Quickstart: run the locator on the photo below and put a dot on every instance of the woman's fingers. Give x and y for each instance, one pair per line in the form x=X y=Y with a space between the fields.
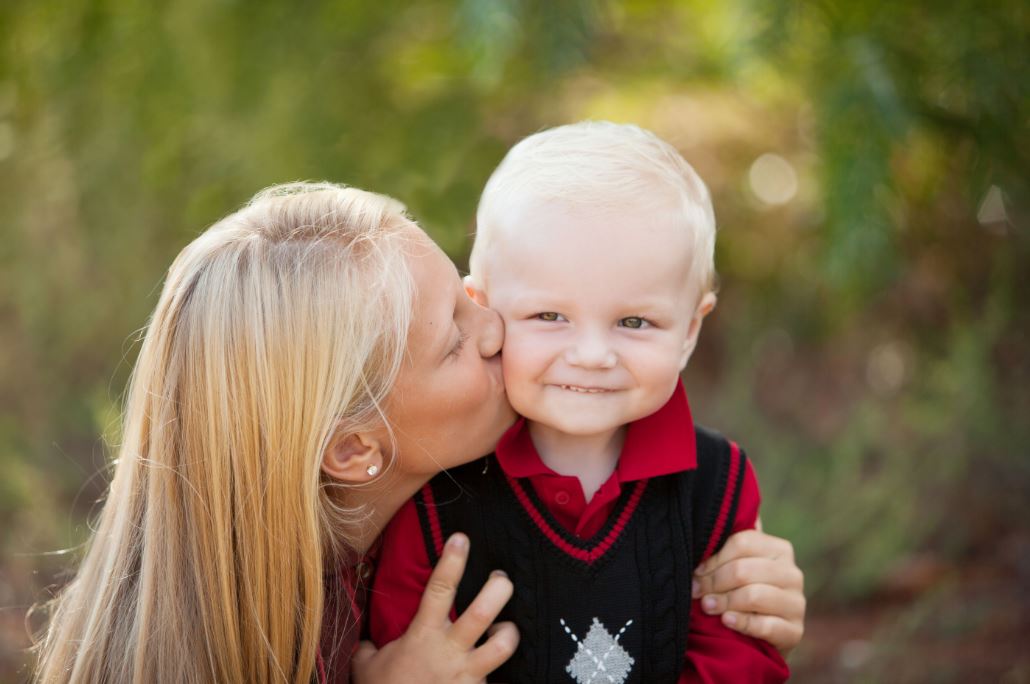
x=783 y=634
x=739 y=572
x=483 y=610
x=434 y=650
x=365 y=651
x=504 y=639
x=757 y=598
x=435 y=607
x=749 y=543
x=754 y=582
x=438 y=598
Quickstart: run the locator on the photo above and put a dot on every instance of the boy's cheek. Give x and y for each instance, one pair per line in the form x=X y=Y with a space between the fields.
x=518 y=369
x=523 y=367
x=522 y=350
x=520 y=391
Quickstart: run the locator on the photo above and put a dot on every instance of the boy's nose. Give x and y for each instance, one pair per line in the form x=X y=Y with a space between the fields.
x=491 y=333
x=591 y=350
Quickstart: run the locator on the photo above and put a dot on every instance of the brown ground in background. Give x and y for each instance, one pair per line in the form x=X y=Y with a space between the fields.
x=936 y=623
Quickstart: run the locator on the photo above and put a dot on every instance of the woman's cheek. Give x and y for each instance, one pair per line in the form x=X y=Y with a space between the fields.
x=475 y=385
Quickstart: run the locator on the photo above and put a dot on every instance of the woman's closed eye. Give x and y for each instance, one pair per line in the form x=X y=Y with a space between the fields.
x=459 y=345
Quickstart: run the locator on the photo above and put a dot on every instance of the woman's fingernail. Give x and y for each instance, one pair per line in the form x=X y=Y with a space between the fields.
x=498 y=573
x=695 y=589
x=708 y=603
x=729 y=619
x=458 y=541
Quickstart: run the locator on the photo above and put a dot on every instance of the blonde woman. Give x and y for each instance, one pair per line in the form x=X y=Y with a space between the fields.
x=312 y=361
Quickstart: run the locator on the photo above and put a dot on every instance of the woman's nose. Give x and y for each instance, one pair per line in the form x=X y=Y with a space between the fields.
x=491 y=334
x=592 y=350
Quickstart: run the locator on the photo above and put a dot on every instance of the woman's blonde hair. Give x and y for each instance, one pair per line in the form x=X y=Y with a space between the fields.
x=279 y=326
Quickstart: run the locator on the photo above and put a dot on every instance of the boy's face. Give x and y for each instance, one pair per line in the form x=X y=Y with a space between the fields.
x=600 y=313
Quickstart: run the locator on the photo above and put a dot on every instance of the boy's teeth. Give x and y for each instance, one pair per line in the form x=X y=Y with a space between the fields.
x=581 y=389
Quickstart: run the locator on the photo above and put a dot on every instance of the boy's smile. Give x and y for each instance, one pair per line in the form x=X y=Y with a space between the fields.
x=588 y=390
x=600 y=313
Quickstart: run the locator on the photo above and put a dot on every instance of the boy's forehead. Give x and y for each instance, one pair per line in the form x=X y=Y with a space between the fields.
x=641 y=231
x=579 y=253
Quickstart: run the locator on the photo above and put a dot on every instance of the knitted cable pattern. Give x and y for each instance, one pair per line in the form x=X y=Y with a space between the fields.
x=713 y=465
x=528 y=606
x=660 y=608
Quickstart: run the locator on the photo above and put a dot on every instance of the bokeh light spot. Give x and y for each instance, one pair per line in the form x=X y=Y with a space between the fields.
x=885 y=369
x=773 y=179
x=992 y=208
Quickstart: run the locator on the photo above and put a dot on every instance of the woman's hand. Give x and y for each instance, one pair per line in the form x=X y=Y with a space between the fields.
x=436 y=650
x=755 y=585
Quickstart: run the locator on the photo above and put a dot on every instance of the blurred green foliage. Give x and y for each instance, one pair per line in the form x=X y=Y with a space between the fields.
x=870 y=347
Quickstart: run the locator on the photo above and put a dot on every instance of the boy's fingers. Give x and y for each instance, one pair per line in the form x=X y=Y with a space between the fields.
x=749 y=543
x=504 y=639
x=740 y=572
x=482 y=612
x=435 y=607
x=782 y=634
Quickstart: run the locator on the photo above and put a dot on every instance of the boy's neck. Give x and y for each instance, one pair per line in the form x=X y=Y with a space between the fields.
x=590 y=458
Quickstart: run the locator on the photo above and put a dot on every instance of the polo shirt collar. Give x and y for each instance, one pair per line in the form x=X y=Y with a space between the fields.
x=659 y=444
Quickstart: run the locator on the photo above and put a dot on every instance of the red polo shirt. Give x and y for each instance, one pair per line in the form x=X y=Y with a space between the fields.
x=660 y=444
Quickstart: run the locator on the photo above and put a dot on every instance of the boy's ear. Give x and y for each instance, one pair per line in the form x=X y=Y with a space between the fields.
x=350 y=455
x=704 y=307
x=478 y=296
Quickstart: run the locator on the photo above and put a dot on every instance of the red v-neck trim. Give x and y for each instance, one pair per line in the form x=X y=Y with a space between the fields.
x=588 y=551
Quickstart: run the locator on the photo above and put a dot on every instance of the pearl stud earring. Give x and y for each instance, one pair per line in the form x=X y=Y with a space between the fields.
x=372 y=470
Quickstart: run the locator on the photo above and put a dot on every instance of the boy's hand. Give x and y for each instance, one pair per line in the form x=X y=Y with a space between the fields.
x=755 y=585
x=436 y=650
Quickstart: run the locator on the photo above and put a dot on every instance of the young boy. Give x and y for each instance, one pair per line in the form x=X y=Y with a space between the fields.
x=595 y=244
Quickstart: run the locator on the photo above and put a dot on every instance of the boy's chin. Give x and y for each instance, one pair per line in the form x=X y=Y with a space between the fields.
x=579 y=428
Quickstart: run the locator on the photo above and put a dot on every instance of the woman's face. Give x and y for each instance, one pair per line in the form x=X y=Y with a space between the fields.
x=448 y=405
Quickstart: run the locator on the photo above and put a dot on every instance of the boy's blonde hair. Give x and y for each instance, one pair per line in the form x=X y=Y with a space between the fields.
x=597 y=165
x=277 y=327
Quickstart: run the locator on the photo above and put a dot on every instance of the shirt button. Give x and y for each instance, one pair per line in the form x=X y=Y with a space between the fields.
x=561 y=498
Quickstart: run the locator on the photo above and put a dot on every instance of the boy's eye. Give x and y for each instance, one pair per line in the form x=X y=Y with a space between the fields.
x=549 y=316
x=632 y=322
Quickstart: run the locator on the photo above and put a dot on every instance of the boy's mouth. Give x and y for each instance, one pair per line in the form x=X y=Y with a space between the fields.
x=584 y=390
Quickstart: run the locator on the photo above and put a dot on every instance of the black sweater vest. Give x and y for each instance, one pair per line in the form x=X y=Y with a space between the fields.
x=611 y=609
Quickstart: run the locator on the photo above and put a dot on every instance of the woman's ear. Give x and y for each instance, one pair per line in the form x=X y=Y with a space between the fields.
x=704 y=307
x=353 y=457
x=477 y=295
